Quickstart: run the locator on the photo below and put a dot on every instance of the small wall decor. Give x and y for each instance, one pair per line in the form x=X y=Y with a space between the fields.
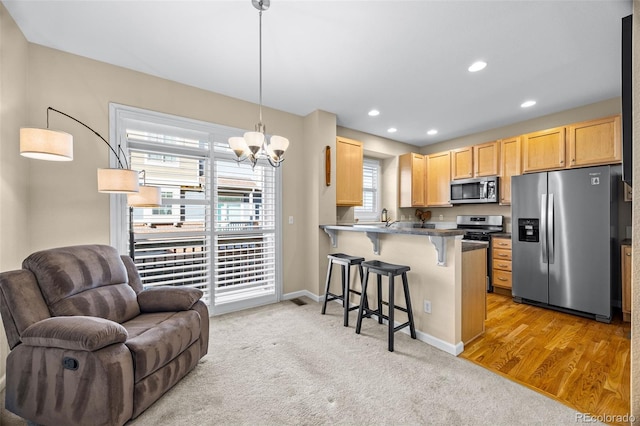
x=327 y=165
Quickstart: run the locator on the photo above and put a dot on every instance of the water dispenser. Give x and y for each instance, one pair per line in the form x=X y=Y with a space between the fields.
x=529 y=230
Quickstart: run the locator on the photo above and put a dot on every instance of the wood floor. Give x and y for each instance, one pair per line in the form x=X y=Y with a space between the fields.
x=577 y=361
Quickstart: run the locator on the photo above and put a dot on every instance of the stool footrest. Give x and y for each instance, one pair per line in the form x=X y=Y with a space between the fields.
x=401 y=326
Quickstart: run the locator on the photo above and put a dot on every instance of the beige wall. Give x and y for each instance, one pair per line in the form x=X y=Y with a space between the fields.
x=14 y=177
x=635 y=272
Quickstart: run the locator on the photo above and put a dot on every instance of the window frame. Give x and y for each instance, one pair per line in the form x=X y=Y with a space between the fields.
x=373 y=216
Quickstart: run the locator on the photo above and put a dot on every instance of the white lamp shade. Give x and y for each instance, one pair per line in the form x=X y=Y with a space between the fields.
x=118 y=181
x=254 y=140
x=149 y=196
x=45 y=144
x=238 y=145
x=279 y=143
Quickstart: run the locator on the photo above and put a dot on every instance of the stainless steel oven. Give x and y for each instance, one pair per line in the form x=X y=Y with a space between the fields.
x=479 y=228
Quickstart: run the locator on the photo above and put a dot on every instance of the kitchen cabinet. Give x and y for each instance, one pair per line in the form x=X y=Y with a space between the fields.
x=475 y=161
x=462 y=163
x=501 y=264
x=544 y=150
x=412 y=180
x=474 y=297
x=438 y=178
x=349 y=159
x=626 y=282
x=509 y=166
x=595 y=142
x=486 y=159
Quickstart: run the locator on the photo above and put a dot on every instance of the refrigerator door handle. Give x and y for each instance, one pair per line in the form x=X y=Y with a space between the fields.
x=550 y=221
x=543 y=228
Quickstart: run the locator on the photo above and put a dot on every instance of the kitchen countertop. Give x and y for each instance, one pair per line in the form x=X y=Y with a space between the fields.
x=474 y=245
x=626 y=242
x=430 y=232
x=501 y=235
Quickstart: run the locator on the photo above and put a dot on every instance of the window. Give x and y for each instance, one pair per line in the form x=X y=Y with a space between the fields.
x=216 y=229
x=370 y=209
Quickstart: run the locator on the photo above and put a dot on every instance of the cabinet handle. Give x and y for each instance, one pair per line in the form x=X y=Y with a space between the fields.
x=502 y=265
x=502 y=244
x=502 y=255
x=628 y=254
x=502 y=279
x=561 y=161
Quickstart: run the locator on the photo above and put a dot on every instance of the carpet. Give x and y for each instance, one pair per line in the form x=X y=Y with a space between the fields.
x=286 y=364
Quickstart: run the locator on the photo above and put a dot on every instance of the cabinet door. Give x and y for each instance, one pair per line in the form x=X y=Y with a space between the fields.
x=544 y=150
x=349 y=159
x=595 y=142
x=486 y=159
x=509 y=166
x=626 y=282
x=438 y=179
x=412 y=181
x=462 y=163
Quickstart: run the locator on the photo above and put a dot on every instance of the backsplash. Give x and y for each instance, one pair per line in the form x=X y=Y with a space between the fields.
x=446 y=216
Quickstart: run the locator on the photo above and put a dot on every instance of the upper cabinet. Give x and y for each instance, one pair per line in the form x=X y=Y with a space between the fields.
x=594 y=142
x=486 y=159
x=475 y=161
x=510 y=165
x=462 y=163
x=412 y=180
x=544 y=150
x=438 y=179
x=349 y=159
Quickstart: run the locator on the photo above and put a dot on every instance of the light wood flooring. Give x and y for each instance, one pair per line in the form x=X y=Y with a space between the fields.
x=577 y=361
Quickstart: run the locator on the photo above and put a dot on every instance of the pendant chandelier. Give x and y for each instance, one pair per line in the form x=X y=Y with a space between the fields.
x=255 y=145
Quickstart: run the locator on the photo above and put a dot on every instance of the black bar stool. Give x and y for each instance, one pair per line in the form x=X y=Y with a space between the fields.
x=345 y=261
x=391 y=271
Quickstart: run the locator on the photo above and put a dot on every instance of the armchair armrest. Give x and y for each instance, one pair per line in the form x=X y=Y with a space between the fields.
x=74 y=332
x=168 y=299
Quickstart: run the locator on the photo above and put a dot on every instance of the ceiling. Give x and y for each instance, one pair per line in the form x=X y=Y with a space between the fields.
x=407 y=59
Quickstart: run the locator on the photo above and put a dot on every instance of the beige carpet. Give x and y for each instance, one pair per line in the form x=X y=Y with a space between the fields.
x=287 y=364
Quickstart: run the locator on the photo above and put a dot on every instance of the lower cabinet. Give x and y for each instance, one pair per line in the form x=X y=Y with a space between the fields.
x=626 y=282
x=501 y=265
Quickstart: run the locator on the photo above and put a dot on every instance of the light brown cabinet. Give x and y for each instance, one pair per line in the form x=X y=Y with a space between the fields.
x=486 y=159
x=626 y=282
x=510 y=155
x=595 y=142
x=544 y=150
x=501 y=263
x=462 y=163
x=474 y=293
x=475 y=161
x=412 y=180
x=349 y=159
x=438 y=179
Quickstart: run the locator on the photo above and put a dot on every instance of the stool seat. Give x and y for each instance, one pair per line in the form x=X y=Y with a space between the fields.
x=385 y=268
x=391 y=271
x=345 y=261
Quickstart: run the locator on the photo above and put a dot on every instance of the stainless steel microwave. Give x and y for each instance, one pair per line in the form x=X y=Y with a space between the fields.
x=475 y=190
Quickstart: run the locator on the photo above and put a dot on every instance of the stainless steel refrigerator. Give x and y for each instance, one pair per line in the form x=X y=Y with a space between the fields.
x=564 y=230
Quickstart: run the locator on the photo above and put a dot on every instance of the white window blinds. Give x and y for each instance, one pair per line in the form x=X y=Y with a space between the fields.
x=370 y=209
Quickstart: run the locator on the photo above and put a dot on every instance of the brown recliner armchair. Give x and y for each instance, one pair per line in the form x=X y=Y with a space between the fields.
x=90 y=346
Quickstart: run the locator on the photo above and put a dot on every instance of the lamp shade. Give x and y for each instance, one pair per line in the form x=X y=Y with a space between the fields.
x=149 y=196
x=279 y=144
x=238 y=145
x=46 y=144
x=118 y=181
x=254 y=141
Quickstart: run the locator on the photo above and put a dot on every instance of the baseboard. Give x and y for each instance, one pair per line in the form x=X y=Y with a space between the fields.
x=302 y=293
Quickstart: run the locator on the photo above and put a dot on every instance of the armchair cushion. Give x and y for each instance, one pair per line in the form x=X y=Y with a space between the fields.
x=168 y=299
x=74 y=333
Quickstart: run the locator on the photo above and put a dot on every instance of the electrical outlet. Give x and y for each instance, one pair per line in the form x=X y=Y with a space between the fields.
x=427 y=306
x=441 y=217
x=290 y=220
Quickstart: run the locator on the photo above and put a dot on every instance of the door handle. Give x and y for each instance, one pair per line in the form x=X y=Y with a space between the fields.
x=550 y=221
x=543 y=228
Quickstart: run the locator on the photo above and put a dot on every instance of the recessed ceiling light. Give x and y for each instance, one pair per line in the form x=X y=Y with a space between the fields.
x=528 y=104
x=477 y=66
x=392 y=130
x=374 y=112
x=432 y=132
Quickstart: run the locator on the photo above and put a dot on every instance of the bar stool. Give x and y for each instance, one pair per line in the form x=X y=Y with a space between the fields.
x=391 y=271
x=345 y=261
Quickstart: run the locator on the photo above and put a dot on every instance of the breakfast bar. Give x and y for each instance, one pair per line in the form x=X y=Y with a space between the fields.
x=447 y=277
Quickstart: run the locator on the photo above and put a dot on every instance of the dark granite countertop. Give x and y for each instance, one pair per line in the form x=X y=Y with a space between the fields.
x=430 y=232
x=626 y=242
x=474 y=245
x=502 y=235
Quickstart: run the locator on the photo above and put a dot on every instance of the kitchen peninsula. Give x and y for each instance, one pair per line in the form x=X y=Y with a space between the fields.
x=445 y=271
